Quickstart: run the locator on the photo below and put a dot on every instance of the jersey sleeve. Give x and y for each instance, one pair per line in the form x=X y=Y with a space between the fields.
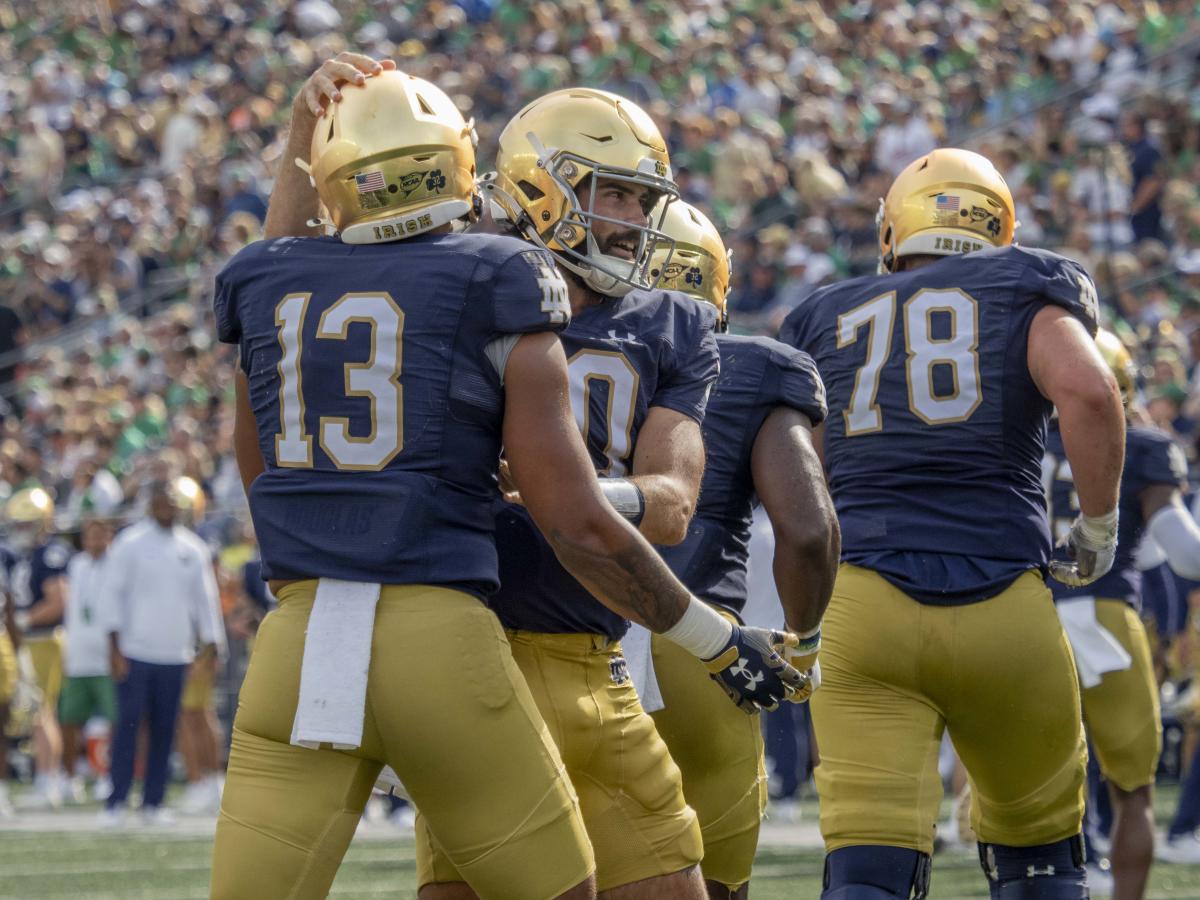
x=796 y=383
x=55 y=558
x=229 y=329
x=529 y=295
x=1054 y=279
x=795 y=329
x=697 y=361
x=1162 y=462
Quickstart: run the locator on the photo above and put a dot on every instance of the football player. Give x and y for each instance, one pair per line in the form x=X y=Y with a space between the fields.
x=37 y=582
x=941 y=376
x=582 y=173
x=10 y=641
x=758 y=448
x=379 y=372
x=1120 y=704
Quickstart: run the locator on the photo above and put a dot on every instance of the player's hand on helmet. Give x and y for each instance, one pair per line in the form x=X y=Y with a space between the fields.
x=1091 y=546
x=508 y=487
x=751 y=670
x=803 y=658
x=324 y=85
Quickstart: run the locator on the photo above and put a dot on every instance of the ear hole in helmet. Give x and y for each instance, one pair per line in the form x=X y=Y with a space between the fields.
x=329 y=137
x=924 y=164
x=531 y=190
x=887 y=235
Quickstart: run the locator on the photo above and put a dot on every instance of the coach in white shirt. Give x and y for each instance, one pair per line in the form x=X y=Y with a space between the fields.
x=88 y=689
x=160 y=603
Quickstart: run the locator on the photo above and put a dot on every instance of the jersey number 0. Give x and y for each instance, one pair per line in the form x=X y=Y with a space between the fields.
x=959 y=351
x=378 y=379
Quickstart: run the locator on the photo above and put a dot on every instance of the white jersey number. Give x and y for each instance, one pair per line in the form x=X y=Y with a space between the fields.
x=377 y=379
x=959 y=351
x=586 y=370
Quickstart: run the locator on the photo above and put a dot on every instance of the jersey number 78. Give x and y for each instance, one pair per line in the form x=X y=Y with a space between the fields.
x=958 y=351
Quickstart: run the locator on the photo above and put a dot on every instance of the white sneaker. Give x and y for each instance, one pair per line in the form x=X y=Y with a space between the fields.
x=111 y=818
x=1099 y=879
x=1183 y=850
x=157 y=816
x=6 y=807
x=74 y=790
x=102 y=788
x=404 y=818
x=785 y=811
x=46 y=794
x=197 y=799
x=216 y=785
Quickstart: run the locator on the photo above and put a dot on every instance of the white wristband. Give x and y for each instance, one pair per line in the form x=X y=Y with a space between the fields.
x=700 y=630
x=1099 y=529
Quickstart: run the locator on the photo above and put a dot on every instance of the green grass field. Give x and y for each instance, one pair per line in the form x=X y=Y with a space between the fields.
x=136 y=864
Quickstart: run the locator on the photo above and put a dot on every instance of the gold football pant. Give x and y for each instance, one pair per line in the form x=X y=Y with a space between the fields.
x=197 y=692
x=896 y=673
x=630 y=791
x=8 y=670
x=447 y=709
x=46 y=654
x=719 y=750
x=1122 y=712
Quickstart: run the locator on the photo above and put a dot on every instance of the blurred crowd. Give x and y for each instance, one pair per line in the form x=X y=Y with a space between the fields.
x=139 y=139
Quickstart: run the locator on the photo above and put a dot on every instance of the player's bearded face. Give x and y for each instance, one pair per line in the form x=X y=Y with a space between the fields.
x=624 y=203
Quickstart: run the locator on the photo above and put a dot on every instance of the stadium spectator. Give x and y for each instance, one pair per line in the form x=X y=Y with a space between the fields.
x=160 y=602
x=88 y=689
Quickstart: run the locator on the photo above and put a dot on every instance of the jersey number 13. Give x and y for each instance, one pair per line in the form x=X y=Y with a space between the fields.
x=378 y=379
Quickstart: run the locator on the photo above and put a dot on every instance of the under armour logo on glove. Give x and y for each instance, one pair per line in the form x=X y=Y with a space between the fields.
x=752 y=678
x=770 y=681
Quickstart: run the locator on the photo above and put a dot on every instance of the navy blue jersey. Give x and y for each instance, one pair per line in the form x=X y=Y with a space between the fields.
x=27 y=577
x=624 y=356
x=757 y=375
x=934 y=450
x=1151 y=458
x=378 y=411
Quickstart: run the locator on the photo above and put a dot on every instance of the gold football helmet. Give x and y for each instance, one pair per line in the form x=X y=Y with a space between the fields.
x=188 y=498
x=394 y=158
x=28 y=515
x=700 y=265
x=561 y=143
x=1120 y=362
x=947 y=202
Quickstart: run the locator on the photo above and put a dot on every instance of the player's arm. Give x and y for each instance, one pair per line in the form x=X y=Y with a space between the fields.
x=1173 y=528
x=293 y=200
x=10 y=624
x=668 y=464
x=49 y=610
x=558 y=484
x=1070 y=373
x=245 y=434
x=808 y=543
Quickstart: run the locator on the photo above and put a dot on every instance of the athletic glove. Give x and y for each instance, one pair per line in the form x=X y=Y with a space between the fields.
x=803 y=658
x=751 y=671
x=1091 y=545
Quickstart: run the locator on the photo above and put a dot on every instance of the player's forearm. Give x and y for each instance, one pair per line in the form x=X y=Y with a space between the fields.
x=621 y=570
x=1176 y=532
x=293 y=199
x=50 y=610
x=670 y=503
x=805 y=565
x=1093 y=432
